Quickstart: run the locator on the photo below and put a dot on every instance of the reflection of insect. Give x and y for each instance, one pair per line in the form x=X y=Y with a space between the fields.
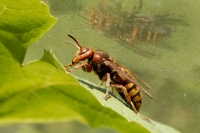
x=95 y=18
x=130 y=26
x=114 y=74
x=102 y=17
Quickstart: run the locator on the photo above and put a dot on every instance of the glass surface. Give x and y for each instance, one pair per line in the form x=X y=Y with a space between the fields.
x=168 y=62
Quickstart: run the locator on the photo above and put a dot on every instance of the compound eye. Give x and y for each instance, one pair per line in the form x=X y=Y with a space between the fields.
x=83 y=51
x=82 y=54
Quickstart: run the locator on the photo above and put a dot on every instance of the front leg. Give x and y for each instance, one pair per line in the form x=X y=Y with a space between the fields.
x=80 y=65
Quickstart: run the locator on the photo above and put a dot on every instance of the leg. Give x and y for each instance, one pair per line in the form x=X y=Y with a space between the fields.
x=133 y=9
x=107 y=85
x=81 y=64
x=128 y=99
x=100 y=83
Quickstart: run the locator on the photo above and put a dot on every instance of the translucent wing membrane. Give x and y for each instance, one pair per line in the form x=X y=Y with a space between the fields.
x=129 y=77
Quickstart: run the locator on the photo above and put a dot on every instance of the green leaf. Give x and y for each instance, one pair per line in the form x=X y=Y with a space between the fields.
x=43 y=92
x=22 y=22
x=39 y=94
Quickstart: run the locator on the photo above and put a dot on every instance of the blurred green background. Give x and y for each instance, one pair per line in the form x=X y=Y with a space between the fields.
x=61 y=127
x=171 y=67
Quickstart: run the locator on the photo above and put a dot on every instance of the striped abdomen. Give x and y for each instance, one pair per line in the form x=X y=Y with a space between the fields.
x=132 y=89
x=134 y=93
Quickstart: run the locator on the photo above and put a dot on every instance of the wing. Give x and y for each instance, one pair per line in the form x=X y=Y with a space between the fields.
x=129 y=77
x=135 y=76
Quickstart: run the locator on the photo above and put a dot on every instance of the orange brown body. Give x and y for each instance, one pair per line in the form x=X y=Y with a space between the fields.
x=112 y=73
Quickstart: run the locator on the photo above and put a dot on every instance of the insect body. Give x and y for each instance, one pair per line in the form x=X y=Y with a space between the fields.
x=114 y=74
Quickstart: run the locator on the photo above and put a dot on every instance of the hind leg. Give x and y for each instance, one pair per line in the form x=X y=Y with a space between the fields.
x=128 y=99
